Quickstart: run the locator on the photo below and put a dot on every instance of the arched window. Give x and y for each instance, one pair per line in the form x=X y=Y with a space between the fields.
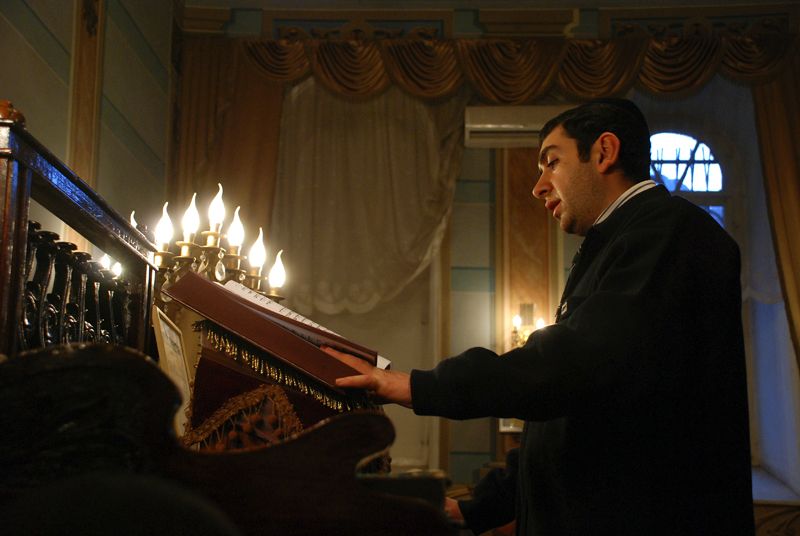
x=687 y=167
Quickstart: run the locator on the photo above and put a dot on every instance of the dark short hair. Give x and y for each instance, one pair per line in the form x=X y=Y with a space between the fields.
x=621 y=117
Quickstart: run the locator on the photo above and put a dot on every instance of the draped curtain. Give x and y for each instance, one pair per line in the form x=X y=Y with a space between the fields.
x=778 y=123
x=522 y=71
x=364 y=191
x=228 y=122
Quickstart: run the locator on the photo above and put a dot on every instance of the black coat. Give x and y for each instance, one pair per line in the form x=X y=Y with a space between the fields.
x=635 y=399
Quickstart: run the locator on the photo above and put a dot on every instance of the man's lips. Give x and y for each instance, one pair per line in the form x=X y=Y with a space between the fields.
x=551 y=205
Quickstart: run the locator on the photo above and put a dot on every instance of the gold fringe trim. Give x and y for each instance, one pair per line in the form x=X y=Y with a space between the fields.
x=245 y=354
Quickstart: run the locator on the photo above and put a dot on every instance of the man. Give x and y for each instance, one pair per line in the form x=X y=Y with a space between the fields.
x=635 y=399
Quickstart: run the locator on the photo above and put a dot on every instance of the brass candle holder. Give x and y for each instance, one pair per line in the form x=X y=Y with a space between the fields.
x=190 y=252
x=164 y=262
x=211 y=265
x=233 y=264
x=211 y=254
x=212 y=236
x=253 y=279
x=274 y=296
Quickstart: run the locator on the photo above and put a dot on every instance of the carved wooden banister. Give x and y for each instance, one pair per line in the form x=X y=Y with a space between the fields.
x=49 y=293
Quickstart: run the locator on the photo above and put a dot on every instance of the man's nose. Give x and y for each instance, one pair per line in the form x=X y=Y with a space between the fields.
x=541 y=188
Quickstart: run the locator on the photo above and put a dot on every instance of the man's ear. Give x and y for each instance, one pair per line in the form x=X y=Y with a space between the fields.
x=608 y=146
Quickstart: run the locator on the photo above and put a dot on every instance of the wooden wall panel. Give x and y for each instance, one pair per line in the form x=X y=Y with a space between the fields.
x=523 y=242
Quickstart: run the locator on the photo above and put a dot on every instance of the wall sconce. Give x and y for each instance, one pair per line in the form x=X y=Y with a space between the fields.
x=525 y=323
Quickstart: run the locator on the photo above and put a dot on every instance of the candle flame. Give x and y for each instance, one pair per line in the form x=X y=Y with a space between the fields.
x=105 y=262
x=133 y=220
x=516 y=321
x=236 y=230
x=191 y=220
x=540 y=323
x=164 y=229
x=216 y=210
x=258 y=254
x=277 y=274
x=116 y=269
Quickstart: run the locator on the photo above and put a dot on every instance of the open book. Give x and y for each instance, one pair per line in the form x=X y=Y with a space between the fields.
x=291 y=340
x=309 y=330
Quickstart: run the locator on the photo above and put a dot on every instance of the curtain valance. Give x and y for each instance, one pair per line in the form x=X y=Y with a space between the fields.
x=522 y=71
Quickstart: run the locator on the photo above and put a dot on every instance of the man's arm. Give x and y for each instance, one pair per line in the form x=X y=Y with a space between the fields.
x=384 y=385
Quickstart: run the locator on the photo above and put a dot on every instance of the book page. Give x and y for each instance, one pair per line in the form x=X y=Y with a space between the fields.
x=271 y=305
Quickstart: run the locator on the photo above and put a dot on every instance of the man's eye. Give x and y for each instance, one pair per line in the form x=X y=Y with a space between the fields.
x=552 y=163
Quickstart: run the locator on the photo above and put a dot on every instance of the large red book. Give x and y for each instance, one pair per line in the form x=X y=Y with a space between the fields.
x=292 y=342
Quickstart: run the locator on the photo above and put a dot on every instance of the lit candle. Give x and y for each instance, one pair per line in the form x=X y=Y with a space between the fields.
x=277 y=274
x=516 y=321
x=105 y=262
x=133 y=220
x=116 y=269
x=164 y=229
x=190 y=221
x=258 y=254
x=539 y=323
x=216 y=215
x=235 y=234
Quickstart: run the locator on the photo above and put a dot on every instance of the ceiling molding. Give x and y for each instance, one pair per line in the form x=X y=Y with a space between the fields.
x=527 y=23
x=205 y=20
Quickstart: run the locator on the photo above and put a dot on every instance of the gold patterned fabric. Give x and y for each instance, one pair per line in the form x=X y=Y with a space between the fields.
x=257 y=418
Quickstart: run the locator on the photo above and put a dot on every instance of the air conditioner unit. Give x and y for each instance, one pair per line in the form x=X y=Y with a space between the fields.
x=507 y=126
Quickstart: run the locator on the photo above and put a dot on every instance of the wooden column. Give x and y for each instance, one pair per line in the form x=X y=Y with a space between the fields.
x=86 y=81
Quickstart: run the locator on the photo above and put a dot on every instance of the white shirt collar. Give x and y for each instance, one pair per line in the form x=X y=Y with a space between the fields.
x=634 y=190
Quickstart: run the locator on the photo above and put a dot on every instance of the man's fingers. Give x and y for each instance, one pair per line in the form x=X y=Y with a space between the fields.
x=349 y=360
x=356 y=382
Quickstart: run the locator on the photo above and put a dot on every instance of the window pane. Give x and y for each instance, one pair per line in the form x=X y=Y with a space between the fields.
x=714 y=178
x=699 y=173
x=683 y=163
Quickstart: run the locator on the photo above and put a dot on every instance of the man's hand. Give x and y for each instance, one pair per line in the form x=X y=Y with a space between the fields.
x=453 y=511
x=385 y=385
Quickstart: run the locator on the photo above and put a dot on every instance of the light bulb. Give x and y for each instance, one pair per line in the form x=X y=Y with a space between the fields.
x=277 y=274
x=191 y=220
x=216 y=211
x=105 y=262
x=164 y=229
x=236 y=231
x=258 y=254
x=116 y=269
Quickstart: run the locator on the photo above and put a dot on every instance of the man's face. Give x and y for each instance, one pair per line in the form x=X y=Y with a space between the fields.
x=571 y=189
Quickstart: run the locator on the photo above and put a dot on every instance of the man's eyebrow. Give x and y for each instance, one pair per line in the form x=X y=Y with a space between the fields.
x=544 y=151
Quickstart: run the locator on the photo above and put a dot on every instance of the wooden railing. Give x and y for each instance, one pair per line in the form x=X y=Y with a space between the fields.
x=50 y=293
